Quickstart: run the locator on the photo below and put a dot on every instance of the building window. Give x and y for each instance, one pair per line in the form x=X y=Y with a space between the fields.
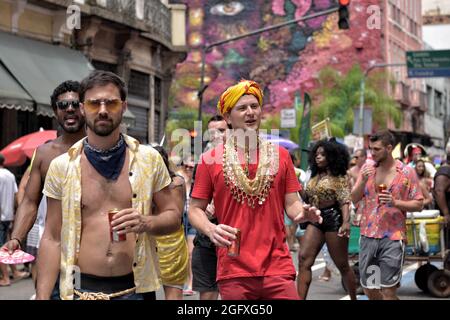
x=398 y=17
x=138 y=104
x=158 y=93
x=140 y=128
x=139 y=84
x=156 y=123
x=105 y=66
x=439 y=110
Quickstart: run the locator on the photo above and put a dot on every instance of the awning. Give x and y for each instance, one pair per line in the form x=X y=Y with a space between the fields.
x=40 y=67
x=12 y=95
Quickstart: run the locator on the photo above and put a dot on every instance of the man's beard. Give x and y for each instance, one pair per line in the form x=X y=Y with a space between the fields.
x=104 y=130
x=383 y=158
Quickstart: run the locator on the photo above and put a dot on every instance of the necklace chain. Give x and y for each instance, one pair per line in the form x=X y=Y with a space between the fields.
x=114 y=148
x=256 y=190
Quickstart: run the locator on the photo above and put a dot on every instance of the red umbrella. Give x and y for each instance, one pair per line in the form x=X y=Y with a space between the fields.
x=16 y=152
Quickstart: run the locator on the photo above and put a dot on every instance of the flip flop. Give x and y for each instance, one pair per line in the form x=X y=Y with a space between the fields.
x=23 y=275
x=324 y=278
x=17 y=257
x=5 y=285
x=188 y=292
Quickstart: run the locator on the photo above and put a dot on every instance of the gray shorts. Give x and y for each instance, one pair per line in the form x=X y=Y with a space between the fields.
x=380 y=262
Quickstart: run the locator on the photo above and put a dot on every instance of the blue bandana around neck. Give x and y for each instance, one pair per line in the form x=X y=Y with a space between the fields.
x=108 y=163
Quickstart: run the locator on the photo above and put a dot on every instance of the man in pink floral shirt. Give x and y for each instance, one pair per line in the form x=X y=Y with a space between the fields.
x=383 y=222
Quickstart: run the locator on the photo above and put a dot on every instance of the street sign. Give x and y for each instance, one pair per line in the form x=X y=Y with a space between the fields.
x=288 y=118
x=367 y=121
x=425 y=64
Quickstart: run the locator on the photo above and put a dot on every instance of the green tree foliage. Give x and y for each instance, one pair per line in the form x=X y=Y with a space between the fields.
x=337 y=95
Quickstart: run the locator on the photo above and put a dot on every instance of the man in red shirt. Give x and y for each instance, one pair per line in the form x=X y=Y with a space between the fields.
x=252 y=182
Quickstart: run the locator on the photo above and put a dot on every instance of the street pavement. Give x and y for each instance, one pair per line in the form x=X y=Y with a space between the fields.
x=319 y=290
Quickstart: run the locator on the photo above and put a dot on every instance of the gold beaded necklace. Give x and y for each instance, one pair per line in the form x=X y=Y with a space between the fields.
x=255 y=190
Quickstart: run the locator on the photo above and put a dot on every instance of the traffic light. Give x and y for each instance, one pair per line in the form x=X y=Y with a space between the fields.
x=344 y=19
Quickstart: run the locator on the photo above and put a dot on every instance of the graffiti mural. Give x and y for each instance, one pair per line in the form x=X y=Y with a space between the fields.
x=284 y=61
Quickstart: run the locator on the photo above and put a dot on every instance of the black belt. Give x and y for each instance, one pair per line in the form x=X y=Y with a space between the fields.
x=106 y=284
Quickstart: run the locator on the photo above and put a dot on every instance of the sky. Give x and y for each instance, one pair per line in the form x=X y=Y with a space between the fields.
x=437 y=36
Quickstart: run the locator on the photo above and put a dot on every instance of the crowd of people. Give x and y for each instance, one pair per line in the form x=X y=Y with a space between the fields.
x=124 y=220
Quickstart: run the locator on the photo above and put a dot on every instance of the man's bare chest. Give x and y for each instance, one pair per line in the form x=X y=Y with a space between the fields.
x=385 y=176
x=97 y=191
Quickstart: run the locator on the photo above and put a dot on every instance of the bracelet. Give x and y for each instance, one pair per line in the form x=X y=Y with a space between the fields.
x=20 y=243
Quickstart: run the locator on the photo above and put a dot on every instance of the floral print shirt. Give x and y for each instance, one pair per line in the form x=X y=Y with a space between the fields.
x=381 y=221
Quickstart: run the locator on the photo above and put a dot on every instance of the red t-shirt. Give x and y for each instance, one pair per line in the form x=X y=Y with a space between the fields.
x=263 y=250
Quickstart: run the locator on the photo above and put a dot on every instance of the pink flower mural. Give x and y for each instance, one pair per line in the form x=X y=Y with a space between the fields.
x=284 y=61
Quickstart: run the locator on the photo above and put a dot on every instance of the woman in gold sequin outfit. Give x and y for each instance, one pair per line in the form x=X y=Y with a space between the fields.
x=172 y=248
x=329 y=190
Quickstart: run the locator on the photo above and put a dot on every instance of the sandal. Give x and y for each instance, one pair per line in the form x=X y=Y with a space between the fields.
x=324 y=278
x=21 y=275
x=5 y=284
x=188 y=292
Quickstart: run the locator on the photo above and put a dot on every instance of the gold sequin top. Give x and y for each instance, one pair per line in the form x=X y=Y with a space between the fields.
x=327 y=188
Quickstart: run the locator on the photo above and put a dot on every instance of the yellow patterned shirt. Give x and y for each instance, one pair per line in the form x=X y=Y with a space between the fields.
x=63 y=182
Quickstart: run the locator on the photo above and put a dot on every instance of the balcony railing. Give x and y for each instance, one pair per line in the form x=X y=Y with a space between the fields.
x=418 y=100
x=151 y=15
x=405 y=94
x=401 y=93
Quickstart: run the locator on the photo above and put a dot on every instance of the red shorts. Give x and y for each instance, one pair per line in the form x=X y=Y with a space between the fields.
x=259 y=288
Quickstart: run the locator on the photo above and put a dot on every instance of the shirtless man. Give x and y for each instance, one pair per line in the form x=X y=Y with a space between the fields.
x=104 y=171
x=65 y=104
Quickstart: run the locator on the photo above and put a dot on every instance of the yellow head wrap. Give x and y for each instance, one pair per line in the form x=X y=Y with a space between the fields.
x=230 y=97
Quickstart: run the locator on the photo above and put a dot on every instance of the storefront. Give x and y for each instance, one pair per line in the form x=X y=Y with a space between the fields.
x=29 y=71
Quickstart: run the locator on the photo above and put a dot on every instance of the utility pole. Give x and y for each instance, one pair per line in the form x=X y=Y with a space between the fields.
x=363 y=87
x=207 y=48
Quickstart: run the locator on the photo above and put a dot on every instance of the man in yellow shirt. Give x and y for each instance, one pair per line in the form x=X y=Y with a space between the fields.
x=107 y=170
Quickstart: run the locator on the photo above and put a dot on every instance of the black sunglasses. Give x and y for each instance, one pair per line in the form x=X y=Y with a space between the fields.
x=63 y=105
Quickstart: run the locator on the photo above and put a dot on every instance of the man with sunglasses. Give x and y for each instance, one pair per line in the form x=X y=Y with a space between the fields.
x=106 y=172
x=66 y=106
